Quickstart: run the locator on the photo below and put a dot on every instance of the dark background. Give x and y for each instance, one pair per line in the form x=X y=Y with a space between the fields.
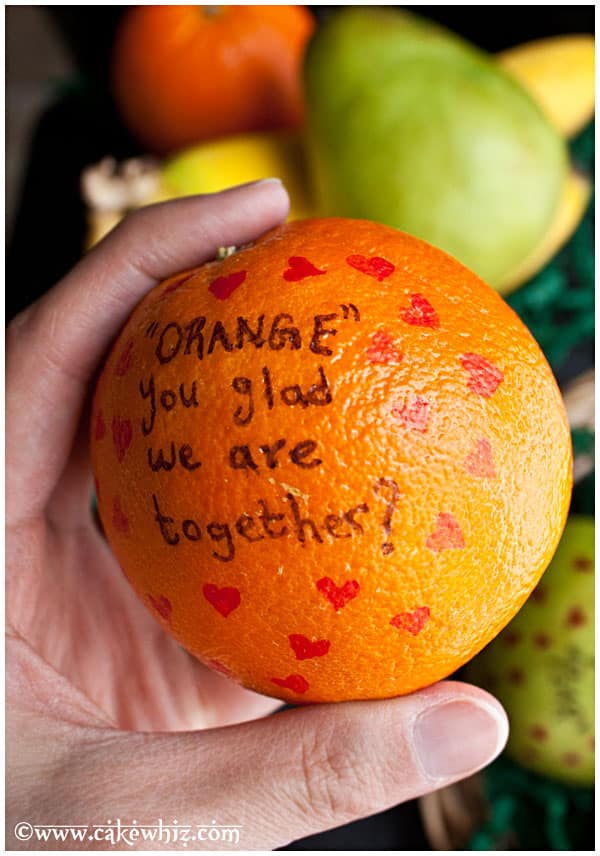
x=81 y=126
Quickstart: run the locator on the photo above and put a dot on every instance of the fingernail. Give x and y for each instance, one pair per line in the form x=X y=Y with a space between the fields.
x=272 y=180
x=258 y=182
x=459 y=737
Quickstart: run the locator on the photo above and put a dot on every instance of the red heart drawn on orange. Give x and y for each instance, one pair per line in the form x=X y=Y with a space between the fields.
x=223 y=286
x=413 y=621
x=414 y=413
x=382 y=349
x=162 y=605
x=338 y=596
x=420 y=313
x=224 y=600
x=374 y=266
x=119 y=519
x=295 y=683
x=484 y=377
x=479 y=462
x=447 y=535
x=122 y=432
x=300 y=268
x=304 y=648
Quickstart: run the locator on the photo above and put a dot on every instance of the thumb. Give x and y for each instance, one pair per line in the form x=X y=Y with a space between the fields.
x=306 y=770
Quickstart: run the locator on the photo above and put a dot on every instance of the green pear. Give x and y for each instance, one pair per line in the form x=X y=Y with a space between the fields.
x=541 y=667
x=411 y=126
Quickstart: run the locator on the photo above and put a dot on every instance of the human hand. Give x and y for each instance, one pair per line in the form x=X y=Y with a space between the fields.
x=107 y=717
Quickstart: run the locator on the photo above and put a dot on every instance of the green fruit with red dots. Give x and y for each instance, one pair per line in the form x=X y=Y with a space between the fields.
x=542 y=666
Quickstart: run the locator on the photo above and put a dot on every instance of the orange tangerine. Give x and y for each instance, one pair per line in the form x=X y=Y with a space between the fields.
x=183 y=74
x=334 y=464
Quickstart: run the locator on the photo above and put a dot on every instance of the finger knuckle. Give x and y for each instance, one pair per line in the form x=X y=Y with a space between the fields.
x=17 y=328
x=338 y=783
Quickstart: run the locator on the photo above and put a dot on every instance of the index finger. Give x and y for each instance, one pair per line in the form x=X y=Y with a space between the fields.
x=54 y=347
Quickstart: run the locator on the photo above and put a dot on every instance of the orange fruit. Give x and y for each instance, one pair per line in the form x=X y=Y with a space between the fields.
x=183 y=74
x=334 y=464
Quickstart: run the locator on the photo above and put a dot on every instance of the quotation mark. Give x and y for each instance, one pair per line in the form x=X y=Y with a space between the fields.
x=348 y=308
x=151 y=329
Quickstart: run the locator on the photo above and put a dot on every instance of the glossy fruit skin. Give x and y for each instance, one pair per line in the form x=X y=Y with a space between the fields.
x=419 y=130
x=440 y=402
x=183 y=74
x=541 y=666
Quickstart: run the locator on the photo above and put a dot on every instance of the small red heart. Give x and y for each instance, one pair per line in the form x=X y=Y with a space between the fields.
x=224 y=600
x=300 y=268
x=223 y=286
x=413 y=413
x=304 y=649
x=119 y=519
x=162 y=605
x=100 y=431
x=375 y=266
x=295 y=683
x=125 y=360
x=338 y=596
x=447 y=535
x=122 y=432
x=479 y=462
x=420 y=313
x=484 y=377
x=383 y=350
x=176 y=284
x=413 y=621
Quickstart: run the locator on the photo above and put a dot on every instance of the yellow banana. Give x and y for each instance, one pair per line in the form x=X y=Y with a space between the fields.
x=559 y=74
x=570 y=210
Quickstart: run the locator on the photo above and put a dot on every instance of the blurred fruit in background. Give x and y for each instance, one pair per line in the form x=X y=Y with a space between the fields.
x=420 y=130
x=110 y=189
x=541 y=666
x=224 y=163
x=559 y=74
x=409 y=125
x=574 y=199
x=188 y=73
